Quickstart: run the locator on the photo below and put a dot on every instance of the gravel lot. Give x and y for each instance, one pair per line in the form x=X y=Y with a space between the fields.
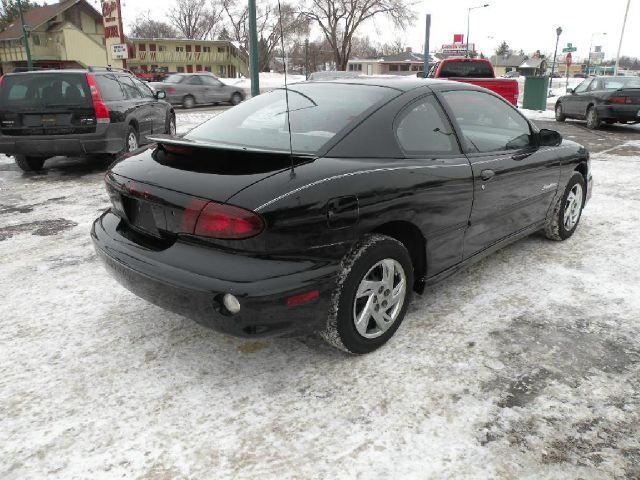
x=526 y=365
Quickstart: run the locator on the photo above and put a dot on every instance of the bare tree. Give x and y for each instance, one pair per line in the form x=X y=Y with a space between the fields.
x=193 y=19
x=340 y=19
x=146 y=27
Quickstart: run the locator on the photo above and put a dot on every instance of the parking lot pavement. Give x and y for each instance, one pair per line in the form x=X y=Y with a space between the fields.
x=526 y=365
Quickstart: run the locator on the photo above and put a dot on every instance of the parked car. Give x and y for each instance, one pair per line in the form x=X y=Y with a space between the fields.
x=602 y=100
x=476 y=71
x=77 y=112
x=191 y=89
x=579 y=75
x=512 y=74
x=382 y=187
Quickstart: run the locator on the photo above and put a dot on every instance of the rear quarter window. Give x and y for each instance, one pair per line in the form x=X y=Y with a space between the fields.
x=110 y=89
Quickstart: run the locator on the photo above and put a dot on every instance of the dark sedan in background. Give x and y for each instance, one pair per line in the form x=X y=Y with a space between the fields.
x=602 y=100
x=325 y=213
x=191 y=89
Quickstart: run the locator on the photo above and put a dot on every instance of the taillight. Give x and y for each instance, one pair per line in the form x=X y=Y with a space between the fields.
x=620 y=100
x=102 y=112
x=216 y=220
x=170 y=89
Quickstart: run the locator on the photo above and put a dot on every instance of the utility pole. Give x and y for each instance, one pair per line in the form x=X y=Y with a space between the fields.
x=306 y=59
x=253 y=50
x=624 y=24
x=24 y=35
x=469 y=23
x=426 y=46
x=555 y=55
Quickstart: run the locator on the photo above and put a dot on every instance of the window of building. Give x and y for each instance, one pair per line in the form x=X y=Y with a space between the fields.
x=393 y=68
x=424 y=129
x=206 y=49
x=142 y=47
x=35 y=38
x=180 y=69
x=221 y=49
x=207 y=68
x=355 y=67
x=416 y=68
x=162 y=48
x=152 y=47
x=404 y=67
x=198 y=68
x=179 y=48
x=188 y=49
x=488 y=124
x=198 y=48
x=221 y=71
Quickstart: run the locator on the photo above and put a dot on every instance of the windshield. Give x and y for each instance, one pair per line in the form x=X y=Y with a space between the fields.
x=175 y=78
x=318 y=112
x=614 y=83
x=466 y=68
x=38 y=90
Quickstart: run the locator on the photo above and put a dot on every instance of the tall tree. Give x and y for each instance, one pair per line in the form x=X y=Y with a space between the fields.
x=194 y=20
x=146 y=27
x=339 y=20
x=9 y=11
x=503 y=49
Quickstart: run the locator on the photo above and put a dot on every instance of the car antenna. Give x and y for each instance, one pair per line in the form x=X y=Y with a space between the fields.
x=286 y=90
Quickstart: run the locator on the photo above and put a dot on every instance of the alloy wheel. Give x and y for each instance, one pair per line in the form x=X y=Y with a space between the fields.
x=379 y=298
x=132 y=142
x=573 y=207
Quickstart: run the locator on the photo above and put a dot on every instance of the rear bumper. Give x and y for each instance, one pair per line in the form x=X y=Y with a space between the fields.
x=108 y=138
x=628 y=113
x=191 y=279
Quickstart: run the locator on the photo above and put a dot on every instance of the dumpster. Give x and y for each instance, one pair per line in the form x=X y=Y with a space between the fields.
x=535 y=93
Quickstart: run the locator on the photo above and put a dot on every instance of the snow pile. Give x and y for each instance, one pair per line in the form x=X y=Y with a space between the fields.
x=268 y=81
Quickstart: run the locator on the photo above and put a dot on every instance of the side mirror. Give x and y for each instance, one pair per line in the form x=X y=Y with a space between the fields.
x=160 y=94
x=549 y=138
x=570 y=91
x=420 y=75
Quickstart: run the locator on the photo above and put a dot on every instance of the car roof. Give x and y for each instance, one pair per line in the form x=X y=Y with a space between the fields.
x=402 y=83
x=67 y=71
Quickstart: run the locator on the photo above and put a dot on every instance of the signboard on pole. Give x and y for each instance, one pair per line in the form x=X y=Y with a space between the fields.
x=458 y=48
x=119 y=51
x=569 y=48
x=113 y=34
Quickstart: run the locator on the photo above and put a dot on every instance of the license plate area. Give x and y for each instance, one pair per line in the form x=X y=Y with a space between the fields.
x=140 y=215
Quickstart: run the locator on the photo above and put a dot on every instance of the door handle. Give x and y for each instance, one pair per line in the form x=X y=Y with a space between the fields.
x=487 y=175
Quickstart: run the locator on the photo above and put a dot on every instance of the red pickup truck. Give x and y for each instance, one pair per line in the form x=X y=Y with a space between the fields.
x=477 y=72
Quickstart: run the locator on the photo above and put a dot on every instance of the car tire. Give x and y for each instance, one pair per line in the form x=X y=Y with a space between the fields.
x=560 y=116
x=593 y=119
x=171 y=124
x=188 y=102
x=236 y=98
x=29 y=164
x=564 y=220
x=365 y=293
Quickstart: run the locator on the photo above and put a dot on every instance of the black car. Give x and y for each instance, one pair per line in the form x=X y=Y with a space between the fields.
x=602 y=99
x=392 y=185
x=77 y=112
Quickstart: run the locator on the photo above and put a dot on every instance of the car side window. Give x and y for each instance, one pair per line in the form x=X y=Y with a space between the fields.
x=144 y=89
x=488 y=124
x=195 y=80
x=583 y=86
x=423 y=128
x=109 y=87
x=212 y=82
x=129 y=87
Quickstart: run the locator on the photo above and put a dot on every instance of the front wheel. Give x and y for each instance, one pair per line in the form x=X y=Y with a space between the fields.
x=593 y=119
x=236 y=98
x=29 y=164
x=567 y=211
x=560 y=116
x=371 y=297
x=171 y=124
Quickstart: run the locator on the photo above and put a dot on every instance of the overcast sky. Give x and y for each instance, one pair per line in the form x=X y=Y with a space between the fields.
x=528 y=25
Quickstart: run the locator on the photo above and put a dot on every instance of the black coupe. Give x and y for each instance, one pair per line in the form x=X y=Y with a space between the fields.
x=602 y=100
x=325 y=206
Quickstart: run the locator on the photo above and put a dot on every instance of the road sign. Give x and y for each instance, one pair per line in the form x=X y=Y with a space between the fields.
x=569 y=49
x=569 y=59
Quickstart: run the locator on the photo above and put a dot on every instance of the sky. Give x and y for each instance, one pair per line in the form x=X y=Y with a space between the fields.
x=527 y=25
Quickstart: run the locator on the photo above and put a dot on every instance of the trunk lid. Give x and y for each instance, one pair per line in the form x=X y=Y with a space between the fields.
x=52 y=103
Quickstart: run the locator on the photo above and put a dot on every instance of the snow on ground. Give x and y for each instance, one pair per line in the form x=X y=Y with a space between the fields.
x=268 y=81
x=525 y=365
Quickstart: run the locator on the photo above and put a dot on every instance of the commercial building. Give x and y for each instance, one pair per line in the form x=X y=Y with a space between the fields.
x=62 y=35
x=406 y=63
x=220 y=57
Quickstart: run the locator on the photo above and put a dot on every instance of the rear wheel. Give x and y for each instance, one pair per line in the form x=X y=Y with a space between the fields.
x=188 y=102
x=29 y=164
x=371 y=297
x=131 y=142
x=236 y=98
x=560 y=116
x=593 y=119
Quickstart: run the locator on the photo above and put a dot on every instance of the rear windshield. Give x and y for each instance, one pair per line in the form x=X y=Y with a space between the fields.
x=41 y=90
x=466 y=69
x=318 y=111
x=616 y=83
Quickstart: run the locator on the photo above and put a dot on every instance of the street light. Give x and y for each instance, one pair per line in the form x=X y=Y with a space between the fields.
x=468 y=20
x=590 y=46
x=555 y=55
